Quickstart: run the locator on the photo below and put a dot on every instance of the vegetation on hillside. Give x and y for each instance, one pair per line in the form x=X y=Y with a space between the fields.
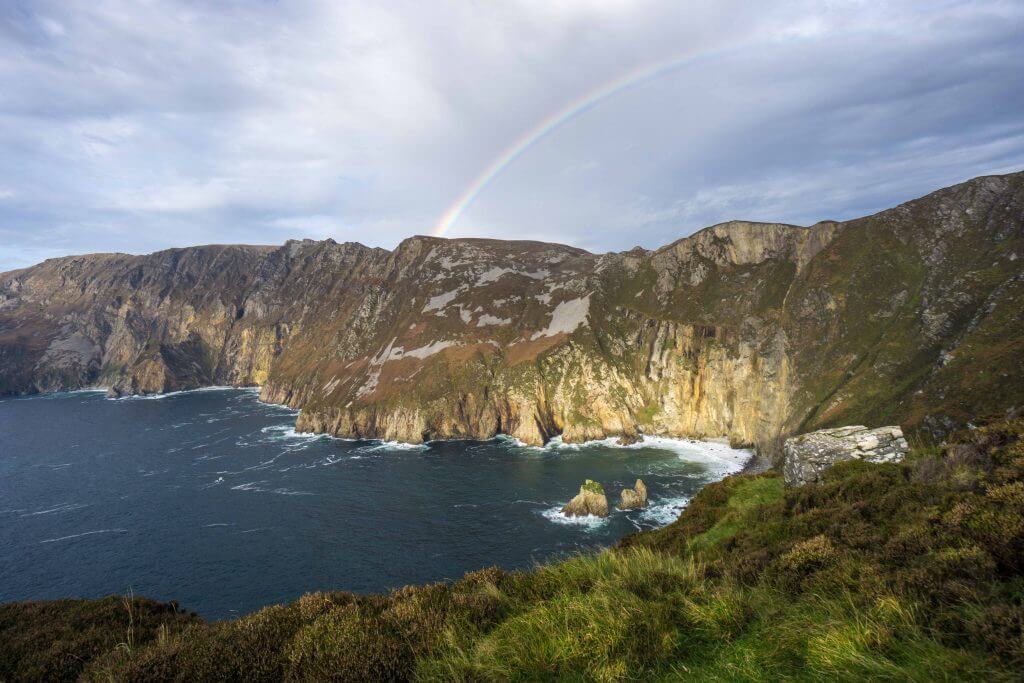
x=892 y=572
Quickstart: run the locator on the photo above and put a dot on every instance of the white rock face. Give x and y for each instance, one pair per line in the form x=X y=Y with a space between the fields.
x=807 y=456
x=438 y=302
x=566 y=317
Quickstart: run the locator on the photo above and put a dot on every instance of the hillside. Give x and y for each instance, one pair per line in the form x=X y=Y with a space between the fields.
x=907 y=571
x=747 y=331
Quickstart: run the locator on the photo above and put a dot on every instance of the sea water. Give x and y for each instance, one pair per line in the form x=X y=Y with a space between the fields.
x=211 y=498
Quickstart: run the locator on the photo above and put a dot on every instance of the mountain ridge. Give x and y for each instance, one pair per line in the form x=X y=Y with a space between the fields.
x=750 y=331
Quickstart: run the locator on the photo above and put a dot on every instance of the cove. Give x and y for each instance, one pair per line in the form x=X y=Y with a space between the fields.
x=212 y=499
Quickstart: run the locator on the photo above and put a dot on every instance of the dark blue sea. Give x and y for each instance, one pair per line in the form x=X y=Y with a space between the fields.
x=210 y=498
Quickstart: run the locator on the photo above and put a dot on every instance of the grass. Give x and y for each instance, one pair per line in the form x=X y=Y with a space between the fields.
x=909 y=572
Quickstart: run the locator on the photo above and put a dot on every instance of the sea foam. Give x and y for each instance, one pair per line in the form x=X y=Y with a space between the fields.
x=554 y=514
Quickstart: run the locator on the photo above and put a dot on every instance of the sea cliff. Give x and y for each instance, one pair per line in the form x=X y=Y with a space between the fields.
x=748 y=331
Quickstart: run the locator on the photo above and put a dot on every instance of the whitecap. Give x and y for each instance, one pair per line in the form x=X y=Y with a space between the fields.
x=395 y=446
x=664 y=511
x=63 y=507
x=288 y=433
x=720 y=457
x=511 y=441
x=86 y=533
x=154 y=397
x=590 y=522
x=259 y=487
x=249 y=486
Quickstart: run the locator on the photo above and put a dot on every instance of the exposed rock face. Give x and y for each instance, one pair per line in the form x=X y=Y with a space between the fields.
x=747 y=331
x=591 y=500
x=808 y=455
x=634 y=498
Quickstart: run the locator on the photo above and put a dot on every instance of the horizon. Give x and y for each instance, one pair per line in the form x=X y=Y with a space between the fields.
x=605 y=125
x=477 y=237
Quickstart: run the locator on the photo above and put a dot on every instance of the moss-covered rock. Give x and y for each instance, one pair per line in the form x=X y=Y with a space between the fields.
x=591 y=500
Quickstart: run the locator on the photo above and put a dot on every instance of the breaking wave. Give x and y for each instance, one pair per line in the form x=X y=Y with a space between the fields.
x=554 y=514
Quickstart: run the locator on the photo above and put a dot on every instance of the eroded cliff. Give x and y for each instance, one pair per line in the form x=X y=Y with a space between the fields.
x=744 y=330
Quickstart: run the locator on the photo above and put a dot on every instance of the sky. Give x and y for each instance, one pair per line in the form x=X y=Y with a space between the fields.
x=137 y=125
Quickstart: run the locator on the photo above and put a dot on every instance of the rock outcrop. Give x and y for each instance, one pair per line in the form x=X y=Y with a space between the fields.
x=591 y=500
x=807 y=456
x=747 y=331
x=634 y=498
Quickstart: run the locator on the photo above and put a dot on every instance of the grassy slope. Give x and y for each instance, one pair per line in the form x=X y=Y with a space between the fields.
x=899 y=572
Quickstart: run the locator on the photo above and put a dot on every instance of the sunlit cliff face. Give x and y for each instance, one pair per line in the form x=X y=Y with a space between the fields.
x=745 y=331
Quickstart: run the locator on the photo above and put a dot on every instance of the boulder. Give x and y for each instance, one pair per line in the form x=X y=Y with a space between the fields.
x=634 y=498
x=591 y=500
x=807 y=456
x=629 y=439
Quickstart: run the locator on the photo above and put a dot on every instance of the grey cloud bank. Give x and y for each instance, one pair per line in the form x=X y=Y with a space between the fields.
x=130 y=126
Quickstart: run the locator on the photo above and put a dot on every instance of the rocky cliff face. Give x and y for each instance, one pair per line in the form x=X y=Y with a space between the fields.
x=806 y=457
x=745 y=330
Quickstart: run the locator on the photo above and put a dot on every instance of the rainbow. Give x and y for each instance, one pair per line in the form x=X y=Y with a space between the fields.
x=561 y=117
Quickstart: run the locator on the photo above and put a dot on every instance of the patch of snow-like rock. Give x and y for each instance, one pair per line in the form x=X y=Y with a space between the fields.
x=429 y=349
x=488 y=319
x=566 y=317
x=438 y=302
x=492 y=275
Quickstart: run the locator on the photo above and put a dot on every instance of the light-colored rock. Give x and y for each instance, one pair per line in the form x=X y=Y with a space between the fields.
x=634 y=498
x=807 y=456
x=591 y=500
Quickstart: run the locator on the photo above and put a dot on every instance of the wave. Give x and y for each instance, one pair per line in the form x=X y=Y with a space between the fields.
x=394 y=446
x=282 y=432
x=665 y=511
x=85 y=533
x=63 y=507
x=155 y=397
x=258 y=486
x=720 y=456
x=589 y=522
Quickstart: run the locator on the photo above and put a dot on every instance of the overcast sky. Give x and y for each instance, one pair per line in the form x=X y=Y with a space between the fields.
x=135 y=126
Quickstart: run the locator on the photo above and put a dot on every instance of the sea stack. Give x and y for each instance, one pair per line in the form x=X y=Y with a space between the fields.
x=591 y=500
x=634 y=498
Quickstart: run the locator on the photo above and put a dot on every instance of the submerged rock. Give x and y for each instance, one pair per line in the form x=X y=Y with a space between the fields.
x=591 y=500
x=634 y=498
x=807 y=456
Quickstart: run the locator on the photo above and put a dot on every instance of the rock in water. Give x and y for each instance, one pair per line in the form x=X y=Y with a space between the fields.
x=590 y=501
x=634 y=498
x=807 y=456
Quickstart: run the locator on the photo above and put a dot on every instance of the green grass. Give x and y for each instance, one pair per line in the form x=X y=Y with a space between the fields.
x=911 y=572
x=742 y=507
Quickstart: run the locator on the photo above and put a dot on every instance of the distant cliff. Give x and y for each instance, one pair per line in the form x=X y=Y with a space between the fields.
x=745 y=330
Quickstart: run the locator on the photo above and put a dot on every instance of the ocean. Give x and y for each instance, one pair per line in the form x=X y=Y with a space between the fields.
x=211 y=498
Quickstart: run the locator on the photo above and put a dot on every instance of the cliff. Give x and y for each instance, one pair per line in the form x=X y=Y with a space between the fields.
x=744 y=330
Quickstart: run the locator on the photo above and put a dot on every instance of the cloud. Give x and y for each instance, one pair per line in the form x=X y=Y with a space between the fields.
x=137 y=126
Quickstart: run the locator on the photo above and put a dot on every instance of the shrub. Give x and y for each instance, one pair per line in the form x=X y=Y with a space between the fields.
x=346 y=644
x=55 y=640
